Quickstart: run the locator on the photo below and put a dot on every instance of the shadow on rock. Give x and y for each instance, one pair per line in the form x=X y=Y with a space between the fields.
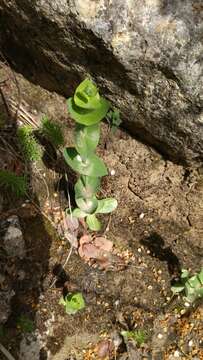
x=156 y=245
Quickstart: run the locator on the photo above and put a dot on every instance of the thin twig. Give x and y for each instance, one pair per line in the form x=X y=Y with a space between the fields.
x=6 y=352
x=69 y=203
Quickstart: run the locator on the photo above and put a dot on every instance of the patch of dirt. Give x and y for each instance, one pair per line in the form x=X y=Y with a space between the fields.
x=157 y=227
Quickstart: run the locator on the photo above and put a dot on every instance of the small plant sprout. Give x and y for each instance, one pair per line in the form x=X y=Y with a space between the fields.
x=28 y=144
x=88 y=108
x=139 y=336
x=113 y=117
x=52 y=131
x=190 y=287
x=14 y=183
x=72 y=303
x=25 y=324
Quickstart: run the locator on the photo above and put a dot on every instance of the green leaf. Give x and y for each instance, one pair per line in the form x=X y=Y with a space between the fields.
x=92 y=166
x=86 y=95
x=200 y=276
x=86 y=138
x=106 y=206
x=79 y=213
x=184 y=274
x=93 y=223
x=85 y=116
x=194 y=282
x=140 y=336
x=86 y=186
x=200 y=292
x=73 y=303
x=89 y=206
x=177 y=288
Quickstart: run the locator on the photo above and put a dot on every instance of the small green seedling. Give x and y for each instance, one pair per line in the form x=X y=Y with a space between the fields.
x=52 y=131
x=139 y=336
x=190 y=287
x=113 y=117
x=14 y=183
x=25 y=324
x=29 y=146
x=72 y=303
x=88 y=108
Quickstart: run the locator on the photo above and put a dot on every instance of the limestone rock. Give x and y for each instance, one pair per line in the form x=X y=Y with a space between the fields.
x=5 y=306
x=146 y=55
x=13 y=240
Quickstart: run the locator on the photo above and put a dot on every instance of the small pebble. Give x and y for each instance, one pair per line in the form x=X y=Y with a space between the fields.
x=160 y=336
x=150 y=287
x=190 y=343
x=112 y=172
x=176 y=354
x=141 y=216
x=139 y=250
x=186 y=304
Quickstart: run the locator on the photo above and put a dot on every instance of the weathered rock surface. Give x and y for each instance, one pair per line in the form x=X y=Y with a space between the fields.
x=5 y=307
x=13 y=240
x=145 y=55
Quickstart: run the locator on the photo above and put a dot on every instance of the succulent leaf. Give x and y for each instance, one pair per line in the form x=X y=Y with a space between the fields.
x=89 y=206
x=86 y=138
x=88 y=116
x=93 y=223
x=86 y=186
x=106 y=206
x=92 y=166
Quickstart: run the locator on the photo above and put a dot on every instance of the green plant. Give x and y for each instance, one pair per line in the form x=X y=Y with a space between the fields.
x=139 y=336
x=29 y=146
x=88 y=108
x=72 y=303
x=52 y=131
x=113 y=117
x=191 y=287
x=25 y=324
x=12 y=182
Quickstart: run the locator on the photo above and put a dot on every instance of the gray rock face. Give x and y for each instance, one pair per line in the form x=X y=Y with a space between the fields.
x=146 y=55
x=5 y=307
x=13 y=240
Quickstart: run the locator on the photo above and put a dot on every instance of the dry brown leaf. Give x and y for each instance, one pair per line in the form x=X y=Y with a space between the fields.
x=104 y=349
x=103 y=244
x=89 y=251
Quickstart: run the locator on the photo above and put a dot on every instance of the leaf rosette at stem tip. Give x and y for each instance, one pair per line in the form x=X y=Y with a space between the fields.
x=87 y=107
x=89 y=208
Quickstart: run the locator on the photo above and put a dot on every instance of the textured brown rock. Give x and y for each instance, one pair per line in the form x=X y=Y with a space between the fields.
x=145 y=55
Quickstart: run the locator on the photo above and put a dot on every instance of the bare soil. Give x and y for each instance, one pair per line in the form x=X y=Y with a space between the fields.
x=157 y=228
